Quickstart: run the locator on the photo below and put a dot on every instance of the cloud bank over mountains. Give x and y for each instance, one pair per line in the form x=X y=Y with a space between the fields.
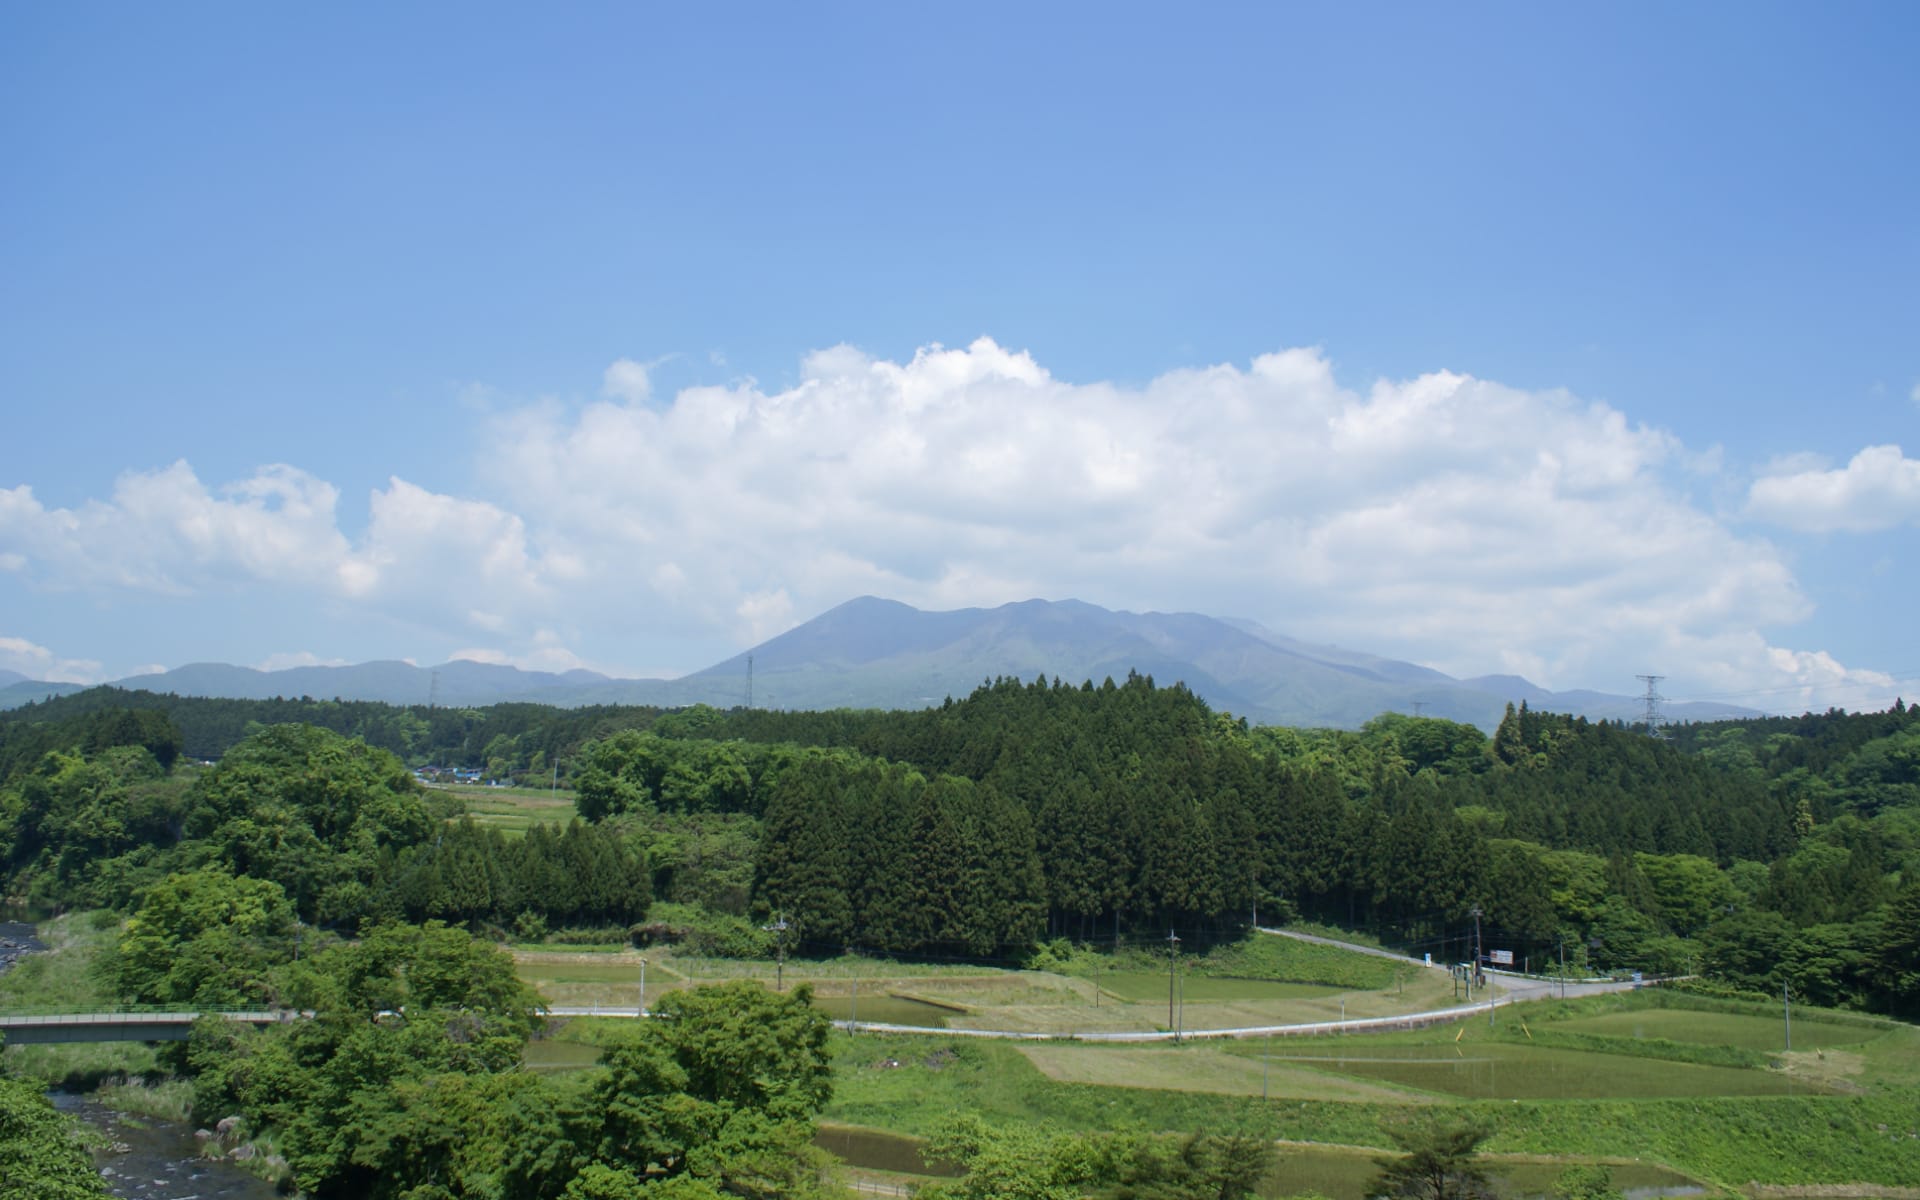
x=1443 y=519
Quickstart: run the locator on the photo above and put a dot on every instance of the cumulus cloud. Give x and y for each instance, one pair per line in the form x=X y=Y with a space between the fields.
x=42 y=665
x=547 y=652
x=287 y=660
x=166 y=532
x=1878 y=489
x=1447 y=519
x=422 y=547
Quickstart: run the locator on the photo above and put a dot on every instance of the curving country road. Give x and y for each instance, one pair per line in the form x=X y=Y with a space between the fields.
x=1511 y=989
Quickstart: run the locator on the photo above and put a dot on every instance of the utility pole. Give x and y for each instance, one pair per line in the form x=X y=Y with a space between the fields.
x=1786 y=1011
x=1563 y=967
x=1475 y=914
x=749 y=681
x=779 y=931
x=1173 y=961
x=643 y=985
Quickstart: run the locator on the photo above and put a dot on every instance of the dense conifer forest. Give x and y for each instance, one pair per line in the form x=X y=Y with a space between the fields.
x=1756 y=853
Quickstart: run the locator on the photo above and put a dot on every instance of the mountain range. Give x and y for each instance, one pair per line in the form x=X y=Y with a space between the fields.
x=874 y=653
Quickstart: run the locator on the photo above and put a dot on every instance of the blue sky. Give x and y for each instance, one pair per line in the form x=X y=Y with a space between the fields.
x=1578 y=344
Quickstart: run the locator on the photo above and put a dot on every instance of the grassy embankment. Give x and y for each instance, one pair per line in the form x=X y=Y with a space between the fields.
x=1265 y=981
x=513 y=809
x=71 y=975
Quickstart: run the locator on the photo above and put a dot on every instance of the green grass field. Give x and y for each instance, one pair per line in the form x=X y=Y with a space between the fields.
x=1147 y=987
x=512 y=810
x=947 y=996
x=1846 y=1114
x=65 y=978
x=1693 y=1088
x=1506 y=1071
x=1726 y=1029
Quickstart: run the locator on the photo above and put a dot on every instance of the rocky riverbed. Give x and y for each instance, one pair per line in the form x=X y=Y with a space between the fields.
x=142 y=1158
x=16 y=942
x=159 y=1160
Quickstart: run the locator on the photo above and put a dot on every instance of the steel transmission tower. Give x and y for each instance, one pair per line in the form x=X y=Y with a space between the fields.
x=1655 y=722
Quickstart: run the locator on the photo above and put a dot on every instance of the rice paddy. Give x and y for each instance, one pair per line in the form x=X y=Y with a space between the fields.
x=513 y=810
x=1508 y=1071
x=1749 y=1032
x=1705 y=1078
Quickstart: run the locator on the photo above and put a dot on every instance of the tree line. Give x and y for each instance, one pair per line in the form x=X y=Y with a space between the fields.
x=1767 y=852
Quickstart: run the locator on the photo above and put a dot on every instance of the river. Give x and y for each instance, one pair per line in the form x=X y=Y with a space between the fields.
x=159 y=1160
x=148 y=1159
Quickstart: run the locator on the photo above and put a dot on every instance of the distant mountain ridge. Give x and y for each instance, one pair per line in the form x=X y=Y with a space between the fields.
x=875 y=653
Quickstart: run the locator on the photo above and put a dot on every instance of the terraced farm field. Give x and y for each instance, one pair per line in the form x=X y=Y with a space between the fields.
x=1750 y=1032
x=512 y=810
x=1508 y=1071
x=1696 y=1087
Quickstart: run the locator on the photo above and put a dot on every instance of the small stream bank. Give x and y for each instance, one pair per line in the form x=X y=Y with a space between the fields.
x=145 y=1159
x=159 y=1160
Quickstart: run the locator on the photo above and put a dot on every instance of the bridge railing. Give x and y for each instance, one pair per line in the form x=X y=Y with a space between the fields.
x=29 y=1010
x=97 y=1013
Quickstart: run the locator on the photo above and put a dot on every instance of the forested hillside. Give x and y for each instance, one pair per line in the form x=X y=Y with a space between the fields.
x=1756 y=852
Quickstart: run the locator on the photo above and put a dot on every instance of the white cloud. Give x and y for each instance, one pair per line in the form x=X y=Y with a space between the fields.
x=547 y=653
x=627 y=380
x=163 y=531
x=424 y=551
x=1914 y=395
x=166 y=532
x=287 y=660
x=147 y=669
x=42 y=665
x=1878 y=489
x=766 y=614
x=1446 y=519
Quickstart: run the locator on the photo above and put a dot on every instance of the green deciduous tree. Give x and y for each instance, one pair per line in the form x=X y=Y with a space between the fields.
x=41 y=1158
x=205 y=937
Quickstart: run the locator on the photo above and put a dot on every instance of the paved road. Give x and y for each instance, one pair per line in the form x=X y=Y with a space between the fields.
x=1510 y=989
x=1519 y=987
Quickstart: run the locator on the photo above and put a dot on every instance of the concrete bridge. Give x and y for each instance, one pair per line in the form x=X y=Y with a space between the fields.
x=132 y=1025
